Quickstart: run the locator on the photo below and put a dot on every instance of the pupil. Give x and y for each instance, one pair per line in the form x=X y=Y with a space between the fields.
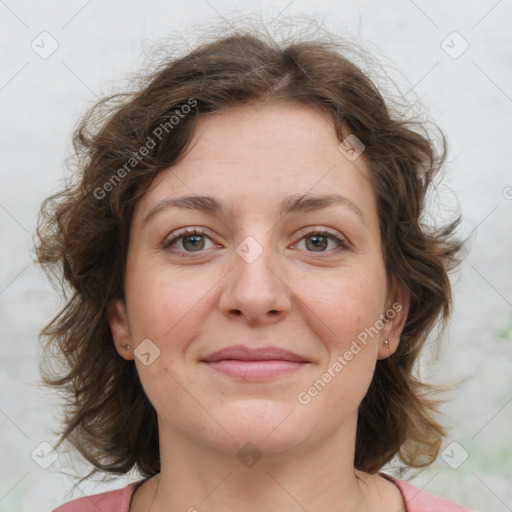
x=196 y=244
x=316 y=241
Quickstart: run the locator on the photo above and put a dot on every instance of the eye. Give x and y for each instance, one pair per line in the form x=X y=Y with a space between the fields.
x=194 y=240
x=318 y=240
x=187 y=240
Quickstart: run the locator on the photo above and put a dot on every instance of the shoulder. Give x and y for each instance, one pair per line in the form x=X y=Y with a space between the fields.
x=418 y=500
x=111 y=501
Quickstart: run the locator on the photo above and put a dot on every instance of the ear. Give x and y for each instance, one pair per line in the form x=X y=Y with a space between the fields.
x=118 y=321
x=395 y=316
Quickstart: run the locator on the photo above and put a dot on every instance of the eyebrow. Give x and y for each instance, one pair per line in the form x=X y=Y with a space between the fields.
x=291 y=204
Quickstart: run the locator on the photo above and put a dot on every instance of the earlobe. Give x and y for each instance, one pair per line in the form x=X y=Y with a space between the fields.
x=118 y=321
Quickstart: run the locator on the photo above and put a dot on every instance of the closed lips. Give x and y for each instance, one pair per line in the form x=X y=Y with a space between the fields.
x=242 y=353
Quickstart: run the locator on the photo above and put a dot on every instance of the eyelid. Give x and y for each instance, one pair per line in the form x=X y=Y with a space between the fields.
x=320 y=229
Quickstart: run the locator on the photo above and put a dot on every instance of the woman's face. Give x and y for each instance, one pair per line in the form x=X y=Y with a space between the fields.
x=291 y=259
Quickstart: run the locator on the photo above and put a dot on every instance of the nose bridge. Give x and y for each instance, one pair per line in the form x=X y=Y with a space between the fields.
x=254 y=288
x=254 y=261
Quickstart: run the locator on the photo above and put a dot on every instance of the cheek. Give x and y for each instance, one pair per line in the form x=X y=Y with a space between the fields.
x=164 y=302
x=349 y=305
x=347 y=302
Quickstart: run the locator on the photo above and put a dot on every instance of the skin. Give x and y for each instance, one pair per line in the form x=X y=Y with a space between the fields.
x=313 y=301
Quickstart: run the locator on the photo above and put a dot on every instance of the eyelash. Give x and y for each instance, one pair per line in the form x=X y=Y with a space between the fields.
x=183 y=233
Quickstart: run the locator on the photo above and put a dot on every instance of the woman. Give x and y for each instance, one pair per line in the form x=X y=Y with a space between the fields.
x=252 y=284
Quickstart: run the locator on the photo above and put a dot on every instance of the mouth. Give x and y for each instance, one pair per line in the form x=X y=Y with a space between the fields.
x=255 y=364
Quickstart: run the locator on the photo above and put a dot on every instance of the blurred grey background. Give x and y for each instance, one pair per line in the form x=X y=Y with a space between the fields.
x=58 y=57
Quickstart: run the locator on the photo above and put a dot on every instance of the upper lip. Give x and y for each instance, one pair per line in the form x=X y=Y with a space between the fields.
x=243 y=353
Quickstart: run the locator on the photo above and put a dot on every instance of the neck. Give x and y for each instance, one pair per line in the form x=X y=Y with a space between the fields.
x=315 y=477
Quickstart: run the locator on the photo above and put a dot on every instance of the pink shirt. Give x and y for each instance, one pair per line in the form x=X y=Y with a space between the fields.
x=415 y=499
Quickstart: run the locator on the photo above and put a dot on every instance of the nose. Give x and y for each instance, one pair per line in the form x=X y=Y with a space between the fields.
x=255 y=291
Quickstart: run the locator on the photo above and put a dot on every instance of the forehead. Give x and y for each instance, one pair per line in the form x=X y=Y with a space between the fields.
x=258 y=154
x=281 y=133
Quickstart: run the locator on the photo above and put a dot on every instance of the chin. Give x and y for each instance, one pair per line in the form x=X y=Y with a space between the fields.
x=272 y=427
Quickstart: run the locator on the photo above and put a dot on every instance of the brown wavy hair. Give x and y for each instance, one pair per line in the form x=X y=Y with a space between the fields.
x=83 y=235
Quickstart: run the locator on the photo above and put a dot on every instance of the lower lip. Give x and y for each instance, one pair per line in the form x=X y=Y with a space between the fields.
x=254 y=370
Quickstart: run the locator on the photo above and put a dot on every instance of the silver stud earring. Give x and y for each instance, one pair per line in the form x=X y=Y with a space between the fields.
x=386 y=342
x=128 y=347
